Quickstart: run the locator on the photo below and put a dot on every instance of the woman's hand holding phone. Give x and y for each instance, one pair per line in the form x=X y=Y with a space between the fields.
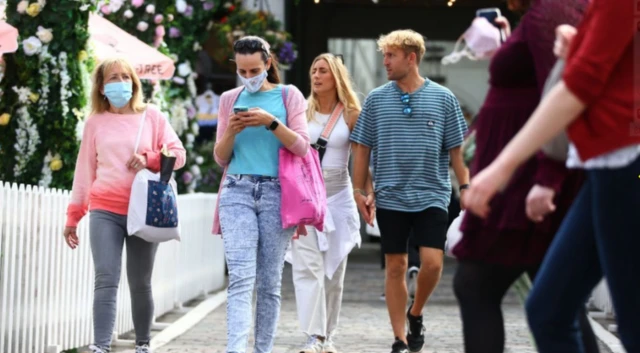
x=236 y=125
x=256 y=117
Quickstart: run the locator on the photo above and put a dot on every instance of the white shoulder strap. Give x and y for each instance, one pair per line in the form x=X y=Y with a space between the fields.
x=142 y=119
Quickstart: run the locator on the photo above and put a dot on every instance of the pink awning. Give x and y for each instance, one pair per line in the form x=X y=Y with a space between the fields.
x=8 y=38
x=110 y=40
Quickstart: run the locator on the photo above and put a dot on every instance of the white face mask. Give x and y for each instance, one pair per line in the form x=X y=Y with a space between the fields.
x=482 y=40
x=253 y=84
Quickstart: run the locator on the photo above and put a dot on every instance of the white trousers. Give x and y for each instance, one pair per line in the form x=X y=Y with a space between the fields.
x=318 y=298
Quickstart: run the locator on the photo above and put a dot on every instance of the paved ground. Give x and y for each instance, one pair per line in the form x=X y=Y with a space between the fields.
x=364 y=322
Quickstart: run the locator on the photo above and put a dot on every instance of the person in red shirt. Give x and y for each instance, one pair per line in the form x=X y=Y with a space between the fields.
x=595 y=101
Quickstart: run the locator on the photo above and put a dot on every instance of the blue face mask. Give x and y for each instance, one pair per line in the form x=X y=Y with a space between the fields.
x=118 y=93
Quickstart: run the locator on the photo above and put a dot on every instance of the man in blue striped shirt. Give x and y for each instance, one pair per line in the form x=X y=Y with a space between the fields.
x=415 y=128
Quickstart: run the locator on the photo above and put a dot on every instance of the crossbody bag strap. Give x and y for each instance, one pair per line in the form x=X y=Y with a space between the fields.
x=323 y=139
x=142 y=119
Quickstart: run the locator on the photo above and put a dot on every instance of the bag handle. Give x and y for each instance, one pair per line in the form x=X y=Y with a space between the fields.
x=142 y=119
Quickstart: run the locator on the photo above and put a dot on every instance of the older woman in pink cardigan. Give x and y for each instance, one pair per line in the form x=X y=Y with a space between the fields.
x=256 y=120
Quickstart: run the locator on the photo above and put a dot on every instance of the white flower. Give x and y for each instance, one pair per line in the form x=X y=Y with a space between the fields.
x=195 y=128
x=142 y=26
x=184 y=69
x=151 y=8
x=44 y=34
x=199 y=160
x=23 y=94
x=79 y=129
x=85 y=7
x=190 y=138
x=27 y=141
x=31 y=45
x=22 y=6
x=195 y=170
x=115 y=5
x=181 y=6
x=42 y=3
x=178 y=118
x=209 y=25
x=178 y=80
x=128 y=14
x=197 y=46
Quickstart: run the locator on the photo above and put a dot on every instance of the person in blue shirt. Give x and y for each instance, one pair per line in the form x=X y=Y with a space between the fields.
x=414 y=127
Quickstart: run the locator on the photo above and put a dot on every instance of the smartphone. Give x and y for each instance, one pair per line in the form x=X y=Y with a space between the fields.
x=239 y=109
x=491 y=13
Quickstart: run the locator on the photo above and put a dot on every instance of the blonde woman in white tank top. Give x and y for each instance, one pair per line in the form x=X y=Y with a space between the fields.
x=319 y=260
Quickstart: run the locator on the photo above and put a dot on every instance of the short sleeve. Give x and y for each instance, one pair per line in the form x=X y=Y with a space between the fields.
x=455 y=126
x=364 y=132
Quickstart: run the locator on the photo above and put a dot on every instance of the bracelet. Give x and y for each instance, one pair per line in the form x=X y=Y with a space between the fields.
x=361 y=192
x=463 y=187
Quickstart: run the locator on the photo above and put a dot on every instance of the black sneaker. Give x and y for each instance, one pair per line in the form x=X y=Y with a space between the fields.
x=399 y=346
x=415 y=335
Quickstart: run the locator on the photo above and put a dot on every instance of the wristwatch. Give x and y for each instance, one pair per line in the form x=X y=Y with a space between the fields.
x=274 y=125
x=463 y=187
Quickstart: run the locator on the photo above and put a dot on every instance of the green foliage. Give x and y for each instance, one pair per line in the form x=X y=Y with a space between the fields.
x=43 y=92
x=244 y=22
x=176 y=28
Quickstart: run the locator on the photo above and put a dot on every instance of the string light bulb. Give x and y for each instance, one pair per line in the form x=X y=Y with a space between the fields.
x=316 y=1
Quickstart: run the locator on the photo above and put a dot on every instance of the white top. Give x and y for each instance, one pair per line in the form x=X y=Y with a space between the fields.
x=619 y=158
x=337 y=153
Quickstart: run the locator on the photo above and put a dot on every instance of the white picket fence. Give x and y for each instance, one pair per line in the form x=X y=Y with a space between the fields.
x=46 y=289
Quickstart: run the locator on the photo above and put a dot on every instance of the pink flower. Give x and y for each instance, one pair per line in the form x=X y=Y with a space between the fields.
x=160 y=32
x=158 y=19
x=105 y=9
x=207 y=6
x=137 y=3
x=191 y=112
x=174 y=32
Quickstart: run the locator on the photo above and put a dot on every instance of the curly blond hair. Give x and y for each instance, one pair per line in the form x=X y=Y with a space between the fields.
x=408 y=40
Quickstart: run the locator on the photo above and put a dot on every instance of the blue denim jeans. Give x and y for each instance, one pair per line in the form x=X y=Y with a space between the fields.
x=255 y=245
x=599 y=236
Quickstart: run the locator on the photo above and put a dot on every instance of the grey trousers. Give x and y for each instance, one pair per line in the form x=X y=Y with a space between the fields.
x=108 y=233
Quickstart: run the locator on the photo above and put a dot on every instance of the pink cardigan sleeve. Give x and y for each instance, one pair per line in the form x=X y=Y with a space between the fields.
x=84 y=176
x=224 y=111
x=297 y=120
x=166 y=136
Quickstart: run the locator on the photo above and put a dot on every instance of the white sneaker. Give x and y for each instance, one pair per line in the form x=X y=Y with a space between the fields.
x=328 y=347
x=314 y=345
x=96 y=349
x=143 y=349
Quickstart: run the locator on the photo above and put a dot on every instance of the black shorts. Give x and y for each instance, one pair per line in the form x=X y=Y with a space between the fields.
x=428 y=229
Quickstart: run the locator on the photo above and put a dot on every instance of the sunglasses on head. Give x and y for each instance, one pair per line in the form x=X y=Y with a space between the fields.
x=404 y=98
x=251 y=45
x=340 y=57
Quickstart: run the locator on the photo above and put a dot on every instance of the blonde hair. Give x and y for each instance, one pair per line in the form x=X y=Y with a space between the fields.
x=99 y=103
x=407 y=40
x=344 y=86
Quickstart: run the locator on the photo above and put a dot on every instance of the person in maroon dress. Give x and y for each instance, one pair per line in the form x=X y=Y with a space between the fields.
x=496 y=251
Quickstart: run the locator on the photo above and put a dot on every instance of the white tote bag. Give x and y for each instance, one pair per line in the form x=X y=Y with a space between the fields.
x=153 y=206
x=453 y=235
